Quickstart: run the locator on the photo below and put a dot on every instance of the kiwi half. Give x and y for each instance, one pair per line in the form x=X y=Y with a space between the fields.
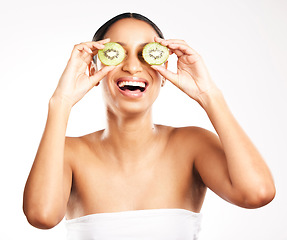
x=155 y=54
x=112 y=54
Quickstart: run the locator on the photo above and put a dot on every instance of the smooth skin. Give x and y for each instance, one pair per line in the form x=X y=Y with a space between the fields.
x=134 y=164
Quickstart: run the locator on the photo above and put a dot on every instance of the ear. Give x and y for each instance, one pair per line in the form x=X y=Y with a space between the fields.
x=163 y=79
x=92 y=68
x=166 y=64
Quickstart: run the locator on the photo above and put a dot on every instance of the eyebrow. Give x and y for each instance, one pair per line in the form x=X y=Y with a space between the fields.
x=141 y=45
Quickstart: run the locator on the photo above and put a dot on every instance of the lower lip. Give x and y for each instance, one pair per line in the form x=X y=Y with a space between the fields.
x=132 y=94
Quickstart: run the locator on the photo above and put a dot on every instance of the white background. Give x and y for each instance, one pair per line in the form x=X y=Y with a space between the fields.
x=244 y=46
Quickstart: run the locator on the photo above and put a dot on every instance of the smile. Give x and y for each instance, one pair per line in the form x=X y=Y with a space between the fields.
x=132 y=86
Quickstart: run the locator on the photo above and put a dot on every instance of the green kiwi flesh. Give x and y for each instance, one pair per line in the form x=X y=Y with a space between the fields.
x=155 y=54
x=112 y=54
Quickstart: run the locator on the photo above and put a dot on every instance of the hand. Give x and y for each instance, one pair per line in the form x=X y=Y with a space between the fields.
x=74 y=82
x=192 y=76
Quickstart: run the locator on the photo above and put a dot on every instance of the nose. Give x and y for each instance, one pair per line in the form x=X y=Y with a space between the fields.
x=132 y=64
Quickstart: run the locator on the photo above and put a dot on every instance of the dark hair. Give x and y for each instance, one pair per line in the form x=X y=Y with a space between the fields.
x=100 y=34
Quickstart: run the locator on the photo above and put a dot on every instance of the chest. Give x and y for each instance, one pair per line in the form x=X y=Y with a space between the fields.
x=101 y=184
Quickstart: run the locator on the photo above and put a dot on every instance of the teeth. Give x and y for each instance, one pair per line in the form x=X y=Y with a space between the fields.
x=131 y=83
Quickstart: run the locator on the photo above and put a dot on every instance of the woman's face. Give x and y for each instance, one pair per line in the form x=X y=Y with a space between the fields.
x=133 y=35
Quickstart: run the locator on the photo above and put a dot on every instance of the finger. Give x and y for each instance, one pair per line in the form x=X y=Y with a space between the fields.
x=166 y=42
x=83 y=47
x=84 y=53
x=87 y=50
x=97 y=45
x=166 y=73
x=183 y=48
x=100 y=44
x=177 y=46
x=104 y=41
x=91 y=47
x=101 y=74
x=178 y=53
x=93 y=44
x=175 y=51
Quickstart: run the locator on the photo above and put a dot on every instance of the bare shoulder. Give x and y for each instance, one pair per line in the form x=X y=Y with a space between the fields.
x=193 y=143
x=76 y=146
x=194 y=135
x=80 y=141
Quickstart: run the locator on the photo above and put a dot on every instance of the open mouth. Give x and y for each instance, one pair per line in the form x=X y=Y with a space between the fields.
x=132 y=85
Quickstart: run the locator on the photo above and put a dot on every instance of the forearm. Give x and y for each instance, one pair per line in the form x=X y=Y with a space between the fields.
x=247 y=170
x=44 y=191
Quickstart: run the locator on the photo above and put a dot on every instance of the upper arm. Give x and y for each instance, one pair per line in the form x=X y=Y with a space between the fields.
x=45 y=200
x=68 y=173
x=211 y=164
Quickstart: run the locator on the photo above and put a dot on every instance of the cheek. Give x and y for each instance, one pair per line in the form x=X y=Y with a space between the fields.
x=109 y=88
x=155 y=76
x=156 y=83
x=107 y=80
x=157 y=79
x=105 y=90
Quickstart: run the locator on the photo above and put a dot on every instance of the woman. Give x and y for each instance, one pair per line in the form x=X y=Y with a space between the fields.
x=136 y=179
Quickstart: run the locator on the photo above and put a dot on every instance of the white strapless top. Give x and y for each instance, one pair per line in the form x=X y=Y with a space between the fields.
x=147 y=224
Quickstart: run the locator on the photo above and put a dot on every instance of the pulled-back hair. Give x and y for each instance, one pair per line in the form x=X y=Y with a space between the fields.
x=100 y=34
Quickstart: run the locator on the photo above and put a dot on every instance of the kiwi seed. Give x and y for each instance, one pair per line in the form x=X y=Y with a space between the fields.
x=112 y=54
x=155 y=54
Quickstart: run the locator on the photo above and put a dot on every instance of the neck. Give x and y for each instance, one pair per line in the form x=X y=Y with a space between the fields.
x=128 y=137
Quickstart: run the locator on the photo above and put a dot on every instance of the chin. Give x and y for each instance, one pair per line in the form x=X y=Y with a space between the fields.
x=129 y=96
x=129 y=109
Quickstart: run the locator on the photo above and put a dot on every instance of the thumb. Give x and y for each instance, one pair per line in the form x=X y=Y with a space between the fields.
x=98 y=76
x=166 y=73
